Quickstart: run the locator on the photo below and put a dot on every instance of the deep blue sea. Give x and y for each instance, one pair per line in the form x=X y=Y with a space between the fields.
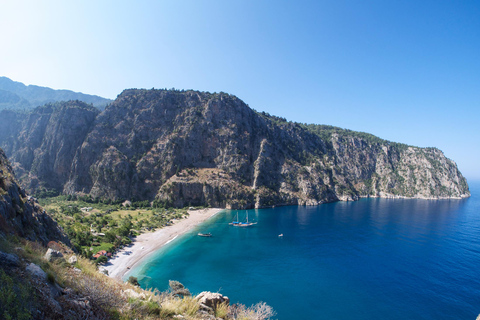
x=370 y=259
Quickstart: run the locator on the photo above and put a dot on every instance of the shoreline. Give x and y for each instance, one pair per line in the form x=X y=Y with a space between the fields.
x=147 y=243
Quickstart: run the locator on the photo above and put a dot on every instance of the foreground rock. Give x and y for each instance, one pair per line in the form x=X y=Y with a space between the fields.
x=72 y=259
x=211 y=299
x=52 y=255
x=9 y=260
x=35 y=271
x=20 y=214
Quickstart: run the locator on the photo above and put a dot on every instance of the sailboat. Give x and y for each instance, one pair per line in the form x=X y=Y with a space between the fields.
x=233 y=223
x=242 y=224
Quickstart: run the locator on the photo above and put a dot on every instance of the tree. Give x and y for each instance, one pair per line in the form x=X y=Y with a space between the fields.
x=109 y=237
x=101 y=259
x=133 y=280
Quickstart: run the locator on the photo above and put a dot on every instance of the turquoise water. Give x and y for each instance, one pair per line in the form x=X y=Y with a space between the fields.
x=370 y=259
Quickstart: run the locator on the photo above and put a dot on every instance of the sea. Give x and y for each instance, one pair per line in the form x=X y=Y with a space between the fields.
x=369 y=259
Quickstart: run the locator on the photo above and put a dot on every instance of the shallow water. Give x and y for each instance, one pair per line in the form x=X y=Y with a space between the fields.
x=370 y=259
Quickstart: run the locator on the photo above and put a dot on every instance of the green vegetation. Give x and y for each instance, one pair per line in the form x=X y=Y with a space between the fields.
x=16 y=297
x=326 y=132
x=133 y=280
x=93 y=225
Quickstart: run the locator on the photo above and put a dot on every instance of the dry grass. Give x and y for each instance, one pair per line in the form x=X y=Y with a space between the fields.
x=221 y=310
x=259 y=311
x=111 y=297
x=187 y=306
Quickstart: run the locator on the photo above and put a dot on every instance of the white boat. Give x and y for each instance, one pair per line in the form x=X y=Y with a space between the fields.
x=205 y=234
x=242 y=224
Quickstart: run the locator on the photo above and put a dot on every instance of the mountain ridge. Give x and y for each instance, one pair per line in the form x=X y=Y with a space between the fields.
x=18 y=96
x=183 y=148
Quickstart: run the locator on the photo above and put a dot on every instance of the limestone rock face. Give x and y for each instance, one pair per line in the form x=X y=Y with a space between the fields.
x=184 y=148
x=35 y=271
x=46 y=142
x=20 y=214
x=51 y=255
x=73 y=259
x=212 y=299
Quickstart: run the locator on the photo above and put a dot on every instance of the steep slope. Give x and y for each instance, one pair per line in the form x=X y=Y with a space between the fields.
x=36 y=283
x=20 y=214
x=17 y=96
x=191 y=148
x=43 y=146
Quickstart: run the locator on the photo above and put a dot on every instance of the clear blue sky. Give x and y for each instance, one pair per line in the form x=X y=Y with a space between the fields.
x=406 y=71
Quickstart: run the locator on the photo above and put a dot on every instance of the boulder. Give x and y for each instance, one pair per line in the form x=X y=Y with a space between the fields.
x=7 y=259
x=73 y=259
x=212 y=299
x=36 y=271
x=52 y=255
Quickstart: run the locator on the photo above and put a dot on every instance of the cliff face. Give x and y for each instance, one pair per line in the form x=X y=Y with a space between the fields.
x=20 y=214
x=192 y=148
x=43 y=143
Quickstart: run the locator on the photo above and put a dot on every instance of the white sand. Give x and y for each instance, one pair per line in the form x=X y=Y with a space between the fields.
x=147 y=243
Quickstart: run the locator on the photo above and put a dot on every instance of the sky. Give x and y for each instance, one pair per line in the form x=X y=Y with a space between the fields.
x=406 y=71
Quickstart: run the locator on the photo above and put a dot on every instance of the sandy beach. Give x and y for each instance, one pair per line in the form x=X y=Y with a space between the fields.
x=147 y=243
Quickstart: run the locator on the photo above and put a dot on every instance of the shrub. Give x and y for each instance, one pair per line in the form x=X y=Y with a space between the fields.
x=178 y=289
x=221 y=310
x=50 y=278
x=106 y=294
x=133 y=280
x=100 y=260
x=259 y=311
x=153 y=308
x=14 y=298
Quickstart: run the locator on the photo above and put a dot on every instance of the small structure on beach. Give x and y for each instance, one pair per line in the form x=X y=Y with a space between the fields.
x=102 y=253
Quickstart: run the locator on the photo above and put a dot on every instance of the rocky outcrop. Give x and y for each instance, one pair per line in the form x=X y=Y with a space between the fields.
x=185 y=148
x=9 y=260
x=20 y=214
x=35 y=271
x=52 y=255
x=211 y=299
x=34 y=293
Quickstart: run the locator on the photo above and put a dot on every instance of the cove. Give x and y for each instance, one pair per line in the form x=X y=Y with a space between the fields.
x=370 y=259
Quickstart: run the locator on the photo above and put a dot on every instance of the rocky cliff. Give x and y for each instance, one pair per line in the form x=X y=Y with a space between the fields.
x=20 y=214
x=196 y=148
x=43 y=143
